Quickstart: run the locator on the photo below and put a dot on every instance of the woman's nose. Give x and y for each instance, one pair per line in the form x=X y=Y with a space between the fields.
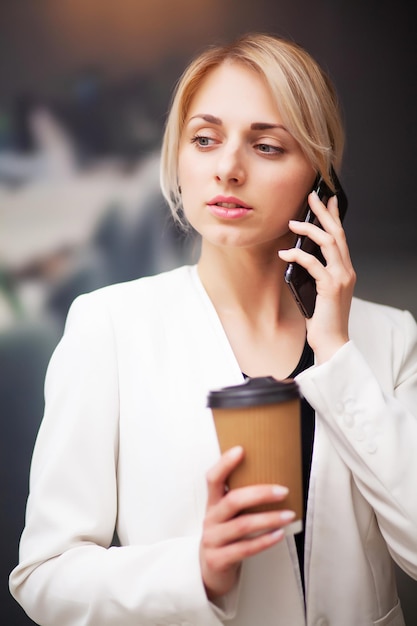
x=230 y=166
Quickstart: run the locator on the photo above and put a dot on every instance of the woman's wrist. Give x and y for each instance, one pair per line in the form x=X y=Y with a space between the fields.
x=328 y=349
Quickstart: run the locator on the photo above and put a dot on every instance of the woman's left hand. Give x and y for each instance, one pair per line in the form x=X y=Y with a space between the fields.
x=327 y=330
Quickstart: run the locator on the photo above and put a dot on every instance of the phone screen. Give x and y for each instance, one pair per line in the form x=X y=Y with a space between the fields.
x=301 y=283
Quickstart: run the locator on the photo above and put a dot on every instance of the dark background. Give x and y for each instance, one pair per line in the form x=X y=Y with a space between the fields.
x=105 y=70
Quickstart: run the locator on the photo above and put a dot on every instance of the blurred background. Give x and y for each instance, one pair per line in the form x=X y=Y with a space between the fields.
x=85 y=86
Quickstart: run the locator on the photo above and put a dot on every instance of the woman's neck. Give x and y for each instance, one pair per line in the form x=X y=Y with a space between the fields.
x=261 y=320
x=247 y=282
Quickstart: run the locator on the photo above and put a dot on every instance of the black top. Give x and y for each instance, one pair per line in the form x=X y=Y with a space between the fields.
x=307 y=440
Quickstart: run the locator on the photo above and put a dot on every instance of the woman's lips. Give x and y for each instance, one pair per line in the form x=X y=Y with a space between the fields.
x=228 y=207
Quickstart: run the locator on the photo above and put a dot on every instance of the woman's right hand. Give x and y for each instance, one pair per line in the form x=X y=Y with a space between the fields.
x=228 y=537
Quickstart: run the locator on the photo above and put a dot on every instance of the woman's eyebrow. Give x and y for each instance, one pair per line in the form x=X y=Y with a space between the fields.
x=267 y=126
x=212 y=119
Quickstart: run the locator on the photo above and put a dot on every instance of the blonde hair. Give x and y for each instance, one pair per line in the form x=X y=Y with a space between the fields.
x=304 y=94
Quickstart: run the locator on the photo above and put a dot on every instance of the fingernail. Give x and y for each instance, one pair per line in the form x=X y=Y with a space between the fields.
x=287 y=516
x=236 y=451
x=277 y=534
x=279 y=490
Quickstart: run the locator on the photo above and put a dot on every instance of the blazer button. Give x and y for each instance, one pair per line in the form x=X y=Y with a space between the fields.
x=349 y=405
x=371 y=446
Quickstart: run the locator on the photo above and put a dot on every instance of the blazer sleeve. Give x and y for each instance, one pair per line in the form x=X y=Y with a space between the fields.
x=373 y=426
x=69 y=573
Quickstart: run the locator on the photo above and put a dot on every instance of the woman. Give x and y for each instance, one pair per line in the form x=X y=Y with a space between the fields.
x=127 y=441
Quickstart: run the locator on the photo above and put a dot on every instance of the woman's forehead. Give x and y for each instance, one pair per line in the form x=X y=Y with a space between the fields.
x=234 y=89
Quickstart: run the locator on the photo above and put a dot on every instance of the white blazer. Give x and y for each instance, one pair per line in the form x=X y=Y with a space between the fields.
x=126 y=441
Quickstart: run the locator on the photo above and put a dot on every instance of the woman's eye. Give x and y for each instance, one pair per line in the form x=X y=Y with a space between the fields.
x=267 y=148
x=202 y=141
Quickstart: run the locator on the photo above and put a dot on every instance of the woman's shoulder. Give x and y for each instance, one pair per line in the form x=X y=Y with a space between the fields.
x=162 y=285
x=365 y=311
x=372 y=322
x=144 y=299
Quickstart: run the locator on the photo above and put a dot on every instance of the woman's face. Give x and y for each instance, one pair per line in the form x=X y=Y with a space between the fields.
x=242 y=174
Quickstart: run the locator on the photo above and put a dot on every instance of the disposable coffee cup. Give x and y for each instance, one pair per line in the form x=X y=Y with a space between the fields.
x=263 y=416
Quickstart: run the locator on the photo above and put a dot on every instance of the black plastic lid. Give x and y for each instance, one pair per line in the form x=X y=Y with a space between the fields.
x=252 y=392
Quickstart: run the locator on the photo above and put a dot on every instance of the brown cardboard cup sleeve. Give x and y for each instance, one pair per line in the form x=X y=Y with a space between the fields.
x=263 y=416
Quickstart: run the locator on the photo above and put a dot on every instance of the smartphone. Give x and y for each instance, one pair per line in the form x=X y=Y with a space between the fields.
x=301 y=283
